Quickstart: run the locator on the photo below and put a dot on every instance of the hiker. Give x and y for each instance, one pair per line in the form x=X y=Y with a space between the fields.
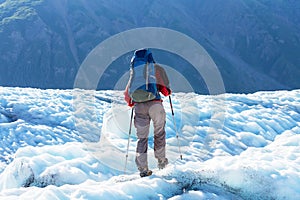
x=146 y=99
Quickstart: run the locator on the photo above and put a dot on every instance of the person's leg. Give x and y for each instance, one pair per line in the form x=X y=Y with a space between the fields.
x=142 y=123
x=158 y=115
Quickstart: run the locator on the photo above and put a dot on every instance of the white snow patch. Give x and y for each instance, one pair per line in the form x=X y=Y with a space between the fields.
x=71 y=144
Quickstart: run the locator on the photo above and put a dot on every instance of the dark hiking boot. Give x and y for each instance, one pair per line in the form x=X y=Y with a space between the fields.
x=162 y=163
x=146 y=173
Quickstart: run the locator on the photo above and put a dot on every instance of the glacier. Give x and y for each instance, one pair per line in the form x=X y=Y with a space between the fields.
x=71 y=144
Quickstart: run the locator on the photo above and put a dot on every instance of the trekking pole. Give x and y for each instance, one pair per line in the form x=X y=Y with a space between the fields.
x=177 y=135
x=129 y=133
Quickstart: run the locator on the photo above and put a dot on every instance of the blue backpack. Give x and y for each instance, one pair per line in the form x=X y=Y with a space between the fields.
x=142 y=83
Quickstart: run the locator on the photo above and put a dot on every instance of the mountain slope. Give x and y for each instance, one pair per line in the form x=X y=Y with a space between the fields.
x=254 y=43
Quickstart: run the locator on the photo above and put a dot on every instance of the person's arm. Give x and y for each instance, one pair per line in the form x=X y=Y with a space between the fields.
x=127 y=97
x=163 y=84
x=126 y=92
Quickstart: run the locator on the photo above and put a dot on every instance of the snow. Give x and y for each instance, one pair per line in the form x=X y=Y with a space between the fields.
x=71 y=144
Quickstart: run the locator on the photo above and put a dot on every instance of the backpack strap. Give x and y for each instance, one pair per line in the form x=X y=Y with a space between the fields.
x=147 y=75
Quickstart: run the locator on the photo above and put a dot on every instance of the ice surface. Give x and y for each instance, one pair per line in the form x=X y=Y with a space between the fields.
x=71 y=144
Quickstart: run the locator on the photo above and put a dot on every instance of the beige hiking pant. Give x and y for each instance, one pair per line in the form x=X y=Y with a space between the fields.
x=144 y=113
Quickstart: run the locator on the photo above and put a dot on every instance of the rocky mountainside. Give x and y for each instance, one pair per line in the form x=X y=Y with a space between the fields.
x=255 y=43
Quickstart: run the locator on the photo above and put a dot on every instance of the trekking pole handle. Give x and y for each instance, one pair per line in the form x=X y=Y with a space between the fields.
x=131 y=117
x=171 y=105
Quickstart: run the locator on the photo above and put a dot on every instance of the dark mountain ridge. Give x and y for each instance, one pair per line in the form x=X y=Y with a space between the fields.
x=254 y=43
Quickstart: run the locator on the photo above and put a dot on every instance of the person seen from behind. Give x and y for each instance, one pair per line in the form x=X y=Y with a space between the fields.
x=147 y=82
